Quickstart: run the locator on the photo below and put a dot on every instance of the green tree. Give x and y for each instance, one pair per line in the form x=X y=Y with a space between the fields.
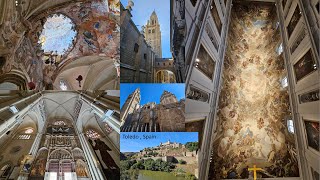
x=192 y=146
x=149 y=164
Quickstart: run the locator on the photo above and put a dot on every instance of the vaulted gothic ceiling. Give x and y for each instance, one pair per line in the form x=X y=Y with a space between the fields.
x=60 y=105
x=98 y=73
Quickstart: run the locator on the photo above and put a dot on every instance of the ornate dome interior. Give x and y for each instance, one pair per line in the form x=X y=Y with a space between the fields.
x=47 y=43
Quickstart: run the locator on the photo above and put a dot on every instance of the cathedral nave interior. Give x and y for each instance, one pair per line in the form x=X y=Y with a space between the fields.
x=60 y=135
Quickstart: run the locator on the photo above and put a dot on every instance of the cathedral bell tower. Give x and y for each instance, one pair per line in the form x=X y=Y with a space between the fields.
x=152 y=34
x=132 y=103
x=168 y=98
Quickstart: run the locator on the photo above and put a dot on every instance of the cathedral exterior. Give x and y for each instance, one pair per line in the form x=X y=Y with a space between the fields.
x=141 y=51
x=151 y=117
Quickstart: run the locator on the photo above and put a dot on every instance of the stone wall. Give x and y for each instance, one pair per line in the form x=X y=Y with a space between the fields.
x=171 y=117
x=156 y=118
x=137 y=57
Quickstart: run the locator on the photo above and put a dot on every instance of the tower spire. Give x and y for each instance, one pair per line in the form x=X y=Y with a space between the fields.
x=152 y=34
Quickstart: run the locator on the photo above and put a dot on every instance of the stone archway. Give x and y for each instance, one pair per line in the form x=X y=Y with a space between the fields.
x=165 y=71
x=165 y=76
x=15 y=78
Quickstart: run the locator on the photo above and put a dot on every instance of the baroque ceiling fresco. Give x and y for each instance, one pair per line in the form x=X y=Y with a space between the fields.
x=253 y=107
x=57 y=36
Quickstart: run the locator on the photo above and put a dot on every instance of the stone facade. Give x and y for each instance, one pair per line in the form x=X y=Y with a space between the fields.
x=178 y=32
x=164 y=69
x=137 y=57
x=141 y=51
x=152 y=117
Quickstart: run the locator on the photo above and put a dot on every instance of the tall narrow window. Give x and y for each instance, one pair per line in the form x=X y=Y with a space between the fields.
x=294 y=21
x=305 y=66
x=290 y=126
x=284 y=82
x=205 y=63
x=216 y=17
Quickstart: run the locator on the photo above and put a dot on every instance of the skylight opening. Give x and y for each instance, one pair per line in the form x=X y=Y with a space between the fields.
x=57 y=35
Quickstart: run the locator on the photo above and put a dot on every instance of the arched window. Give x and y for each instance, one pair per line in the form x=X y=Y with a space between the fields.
x=58 y=34
x=59 y=123
x=26 y=134
x=63 y=85
x=92 y=134
x=28 y=131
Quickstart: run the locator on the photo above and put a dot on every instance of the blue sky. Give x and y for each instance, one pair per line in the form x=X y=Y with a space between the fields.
x=151 y=92
x=135 y=145
x=141 y=13
x=57 y=34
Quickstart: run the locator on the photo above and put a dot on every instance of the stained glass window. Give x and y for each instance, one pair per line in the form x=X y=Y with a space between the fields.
x=58 y=34
x=92 y=134
x=24 y=136
x=59 y=123
x=28 y=131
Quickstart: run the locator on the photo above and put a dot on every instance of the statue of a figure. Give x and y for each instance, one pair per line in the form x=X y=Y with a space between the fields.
x=130 y=5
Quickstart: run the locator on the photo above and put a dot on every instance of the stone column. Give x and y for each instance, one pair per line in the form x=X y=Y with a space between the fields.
x=35 y=146
x=94 y=167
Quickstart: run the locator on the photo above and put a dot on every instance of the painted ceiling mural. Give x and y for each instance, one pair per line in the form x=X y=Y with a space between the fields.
x=63 y=34
x=252 y=107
